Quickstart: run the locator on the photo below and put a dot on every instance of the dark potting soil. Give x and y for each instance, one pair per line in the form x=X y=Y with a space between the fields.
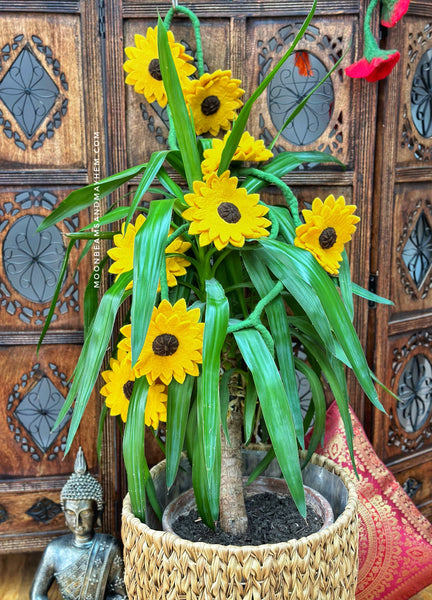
x=271 y=519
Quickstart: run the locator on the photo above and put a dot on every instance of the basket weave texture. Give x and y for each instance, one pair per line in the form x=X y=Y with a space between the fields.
x=323 y=566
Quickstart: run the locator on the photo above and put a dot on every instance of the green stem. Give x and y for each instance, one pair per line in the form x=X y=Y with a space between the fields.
x=254 y=318
x=281 y=185
x=197 y=31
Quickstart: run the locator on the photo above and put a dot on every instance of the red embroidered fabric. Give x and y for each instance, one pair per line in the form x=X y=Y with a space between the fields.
x=395 y=551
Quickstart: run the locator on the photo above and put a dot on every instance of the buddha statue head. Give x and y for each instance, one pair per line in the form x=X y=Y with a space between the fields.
x=82 y=501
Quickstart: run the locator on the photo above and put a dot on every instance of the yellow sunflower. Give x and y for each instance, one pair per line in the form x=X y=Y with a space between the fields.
x=144 y=70
x=249 y=149
x=173 y=345
x=213 y=98
x=223 y=213
x=122 y=253
x=119 y=380
x=328 y=226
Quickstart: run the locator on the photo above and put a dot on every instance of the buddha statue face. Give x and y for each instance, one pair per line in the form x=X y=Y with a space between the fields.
x=82 y=516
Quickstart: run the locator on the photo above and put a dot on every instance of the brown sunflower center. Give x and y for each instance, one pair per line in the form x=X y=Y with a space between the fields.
x=154 y=69
x=165 y=344
x=229 y=212
x=328 y=238
x=127 y=389
x=210 y=105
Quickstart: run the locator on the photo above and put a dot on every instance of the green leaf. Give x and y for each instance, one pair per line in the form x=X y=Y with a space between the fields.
x=250 y=404
x=275 y=408
x=279 y=327
x=183 y=126
x=153 y=166
x=140 y=482
x=88 y=195
x=91 y=296
x=240 y=123
x=216 y=324
x=262 y=465
x=333 y=371
x=334 y=308
x=367 y=295
x=345 y=284
x=319 y=403
x=59 y=285
x=179 y=397
x=199 y=472
x=149 y=256
x=292 y=277
x=284 y=163
x=92 y=354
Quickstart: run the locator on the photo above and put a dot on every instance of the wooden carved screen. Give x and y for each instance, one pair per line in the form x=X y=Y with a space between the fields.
x=403 y=204
x=51 y=142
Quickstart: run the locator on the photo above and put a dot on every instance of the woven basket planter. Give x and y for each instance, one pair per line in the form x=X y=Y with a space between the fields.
x=322 y=566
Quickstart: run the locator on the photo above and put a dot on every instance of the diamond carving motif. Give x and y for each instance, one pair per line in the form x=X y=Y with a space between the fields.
x=38 y=410
x=28 y=91
x=417 y=252
x=44 y=510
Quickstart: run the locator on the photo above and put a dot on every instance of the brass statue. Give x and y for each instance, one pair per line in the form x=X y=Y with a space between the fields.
x=85 y=564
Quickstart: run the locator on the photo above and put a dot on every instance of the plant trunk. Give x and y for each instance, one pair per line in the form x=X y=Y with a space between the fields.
x=233 y=518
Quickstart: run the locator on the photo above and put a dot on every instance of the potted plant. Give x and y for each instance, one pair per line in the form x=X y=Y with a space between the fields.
x=220 y=285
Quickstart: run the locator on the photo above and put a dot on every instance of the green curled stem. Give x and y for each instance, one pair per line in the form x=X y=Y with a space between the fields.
x=197 y=31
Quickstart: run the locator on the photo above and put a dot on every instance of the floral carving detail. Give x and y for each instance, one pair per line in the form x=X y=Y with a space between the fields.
x=318 y=123
x=414 y=252
x=32 y=409
x=30 y=89
x=419 y=344
x=411 y=138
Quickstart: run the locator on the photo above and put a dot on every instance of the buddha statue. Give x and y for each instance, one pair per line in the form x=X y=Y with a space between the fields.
x=85 y=564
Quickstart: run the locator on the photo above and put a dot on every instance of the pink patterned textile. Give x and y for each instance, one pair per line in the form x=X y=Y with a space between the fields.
x=395 y=552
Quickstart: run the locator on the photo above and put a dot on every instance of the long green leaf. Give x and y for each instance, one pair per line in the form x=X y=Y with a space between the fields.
x=59 y=285
x=319 y=404
x=179 y=396
x=149 y=256
x=88 y=195
x=284 y=163
x=153 y=166
x=367 y=295
x=216 y=324
x=345 y=284
x=334 y=308
x=279 y=327
x=91 y=295
x=288 y=273
x=140 y=483
x=184 y=129
x=240 y=123
x=250 y=404
x=275 y=409
x=92 y=354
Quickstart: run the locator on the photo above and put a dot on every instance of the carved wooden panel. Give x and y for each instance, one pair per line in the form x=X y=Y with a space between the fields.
x=52 y=140
x=324 y=124
x=33 y=390
x=412 y=254
x=417 y=482
x=41 y=91
x=31 y=262
x=415 y=116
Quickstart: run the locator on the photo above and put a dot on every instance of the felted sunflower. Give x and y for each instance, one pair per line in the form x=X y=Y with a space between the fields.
x=173 y=345
x=249 y=149
x=144 y=70
x=119 y=380
x=223 y=213
x=328 y=226
x=213 y=99
x=122 y=253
